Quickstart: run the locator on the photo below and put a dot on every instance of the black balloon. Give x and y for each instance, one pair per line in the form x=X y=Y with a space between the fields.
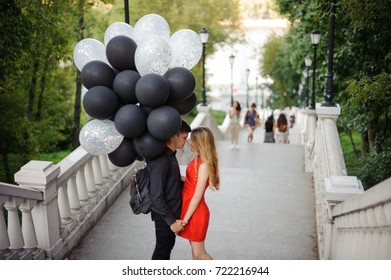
x=184 y=106
x=120 y=53
x=152 y=90
x=182 y=82
x=124 y=155
x=97 y=73
x=130 y=121
x=100 y=102
x=146 y=110
x=148 y=146
x=124 y=86
x=164 y=122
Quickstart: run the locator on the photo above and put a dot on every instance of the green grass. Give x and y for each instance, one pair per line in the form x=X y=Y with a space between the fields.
x=351 y=160
x=218 y=116
x=16 y=161
x=54 y=157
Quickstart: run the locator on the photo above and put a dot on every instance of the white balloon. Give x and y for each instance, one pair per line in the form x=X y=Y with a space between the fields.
x=149 y=26
x=186 y=47
x=100 y=137
x=118 y=29
x=153 y=55
x=87 y=50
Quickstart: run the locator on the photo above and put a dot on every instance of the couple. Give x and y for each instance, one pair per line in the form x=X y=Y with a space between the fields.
x=178 y=202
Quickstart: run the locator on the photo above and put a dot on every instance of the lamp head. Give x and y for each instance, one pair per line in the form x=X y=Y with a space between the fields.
x=315 y=37
x=231 y=59
x=308 y=61
x=204 y=35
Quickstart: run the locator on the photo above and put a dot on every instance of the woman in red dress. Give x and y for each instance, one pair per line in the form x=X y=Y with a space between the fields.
x=201 y=172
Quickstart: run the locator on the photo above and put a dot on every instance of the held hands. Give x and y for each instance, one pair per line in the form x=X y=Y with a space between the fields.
x=178 y=226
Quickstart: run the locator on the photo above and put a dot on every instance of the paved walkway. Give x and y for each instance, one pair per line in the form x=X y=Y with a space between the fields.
x=264 y=210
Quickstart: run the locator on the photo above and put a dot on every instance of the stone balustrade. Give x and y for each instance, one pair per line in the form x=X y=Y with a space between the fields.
x=55 y=205
x=350 y=222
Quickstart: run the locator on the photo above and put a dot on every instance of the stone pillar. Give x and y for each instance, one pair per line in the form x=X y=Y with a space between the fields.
x=41 y=175
x=332 y=145
x=337 y=185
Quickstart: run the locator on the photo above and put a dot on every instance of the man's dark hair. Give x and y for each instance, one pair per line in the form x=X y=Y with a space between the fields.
x=185 y=127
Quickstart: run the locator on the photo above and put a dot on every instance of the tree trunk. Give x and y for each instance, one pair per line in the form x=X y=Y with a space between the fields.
x=364 y=143
x=353 y=145
x=32 y=90
x=6 y=166
x=77 y=107
x=42 y=87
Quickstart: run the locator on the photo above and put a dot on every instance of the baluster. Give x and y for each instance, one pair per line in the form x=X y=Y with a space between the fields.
x=28 y=230
x=387 y=212
x=112 y=167
x=14 y=229
x=90 y=180
x=82 y=186
x=104 y=162
x=97 y=173
x=4 y=241
x=63 y=205
x=74 y=201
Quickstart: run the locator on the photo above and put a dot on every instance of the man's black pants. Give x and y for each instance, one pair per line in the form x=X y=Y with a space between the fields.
x=165 y=240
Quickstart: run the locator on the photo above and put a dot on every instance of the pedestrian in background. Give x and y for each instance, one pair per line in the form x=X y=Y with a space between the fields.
x=282 y=130
x=251 y=121
x=234 y=127
x=269 y=130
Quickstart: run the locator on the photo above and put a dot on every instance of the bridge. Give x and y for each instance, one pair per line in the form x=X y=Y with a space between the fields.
x=276 y=201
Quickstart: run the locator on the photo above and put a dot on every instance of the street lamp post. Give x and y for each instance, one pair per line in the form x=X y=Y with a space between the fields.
x=204 y=35
x=329 y=76
x=231 y=61
x=315 y=38
x=126 y=8
x=247 y=75
x=308 y=63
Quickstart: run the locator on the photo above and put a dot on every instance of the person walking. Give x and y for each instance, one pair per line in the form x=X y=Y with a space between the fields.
x=201 y=172
x=166 y=194
x=251 y=121
x=234 y=127
x=282 y=130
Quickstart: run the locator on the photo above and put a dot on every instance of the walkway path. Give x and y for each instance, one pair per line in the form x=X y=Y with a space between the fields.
x=264 y=210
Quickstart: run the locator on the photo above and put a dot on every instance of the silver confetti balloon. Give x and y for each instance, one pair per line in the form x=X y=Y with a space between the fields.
x=118 y=29
x=153 y=56
x=150 y=25
x=186 y=47
x=87 y=50
x=100 y=137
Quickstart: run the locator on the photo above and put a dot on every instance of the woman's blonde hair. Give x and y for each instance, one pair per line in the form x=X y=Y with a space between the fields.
x=204 y=146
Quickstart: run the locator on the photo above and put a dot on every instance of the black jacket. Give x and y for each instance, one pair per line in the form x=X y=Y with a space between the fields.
x=165 y=186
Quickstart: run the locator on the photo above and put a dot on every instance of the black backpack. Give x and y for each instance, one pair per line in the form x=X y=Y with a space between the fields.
x=140 y=199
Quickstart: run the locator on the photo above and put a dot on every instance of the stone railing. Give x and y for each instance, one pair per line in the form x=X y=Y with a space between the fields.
x=55 y=205
x=345 y=215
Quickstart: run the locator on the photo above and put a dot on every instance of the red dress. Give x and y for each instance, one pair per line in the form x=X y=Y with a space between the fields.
x=197 y=226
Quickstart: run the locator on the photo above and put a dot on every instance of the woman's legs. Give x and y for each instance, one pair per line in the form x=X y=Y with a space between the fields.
x=198 y=251
x=250 y=134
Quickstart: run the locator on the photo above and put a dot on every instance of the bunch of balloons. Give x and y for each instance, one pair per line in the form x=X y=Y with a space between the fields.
x=137 y=85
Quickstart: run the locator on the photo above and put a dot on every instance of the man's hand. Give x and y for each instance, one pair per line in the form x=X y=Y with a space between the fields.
x=177 y=226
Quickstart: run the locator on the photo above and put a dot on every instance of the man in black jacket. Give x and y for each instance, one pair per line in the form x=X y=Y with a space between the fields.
x=166 y=193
